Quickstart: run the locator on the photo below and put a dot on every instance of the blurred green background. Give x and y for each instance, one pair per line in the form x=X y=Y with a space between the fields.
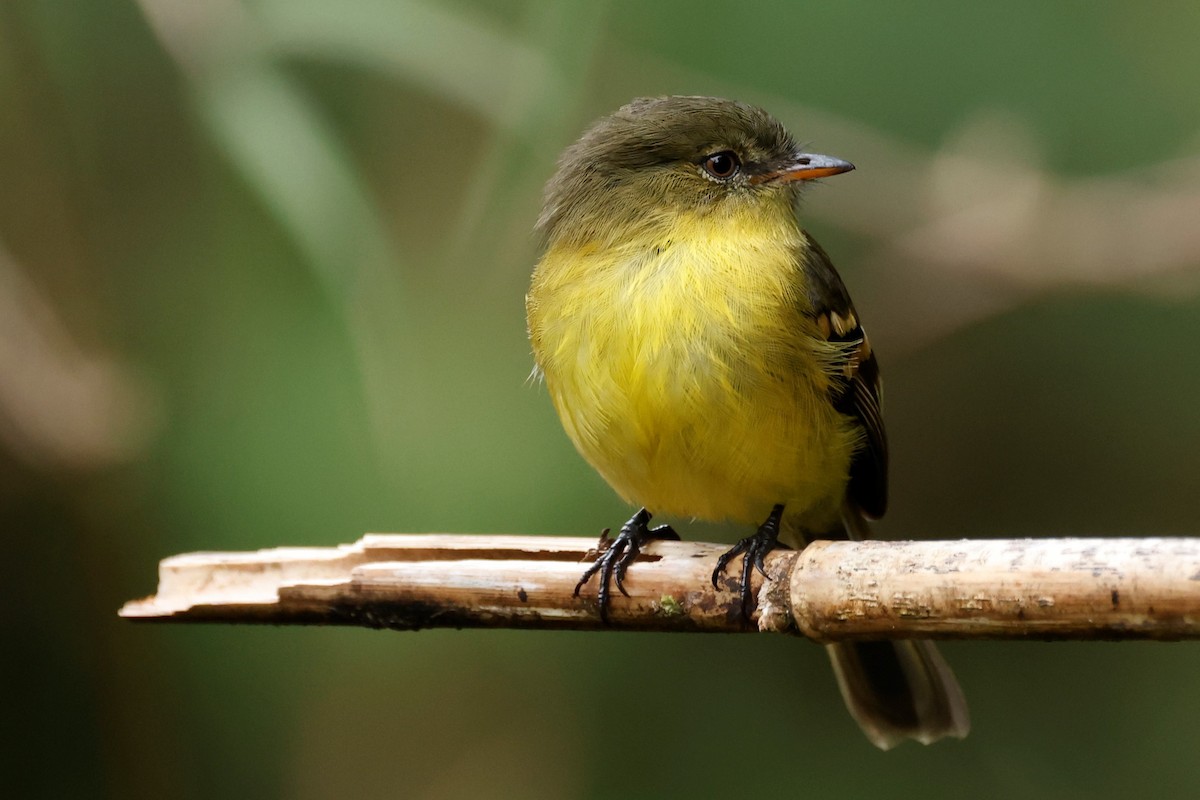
x=262 y=269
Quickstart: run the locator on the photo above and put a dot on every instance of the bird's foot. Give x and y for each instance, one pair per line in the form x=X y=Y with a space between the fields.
x=617 y=554
x=753 y=550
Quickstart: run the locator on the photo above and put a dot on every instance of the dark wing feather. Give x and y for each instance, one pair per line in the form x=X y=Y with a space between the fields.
x=860 y=395
x=895 y=690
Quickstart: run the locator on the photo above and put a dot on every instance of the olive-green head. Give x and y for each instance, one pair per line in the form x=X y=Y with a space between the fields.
x=665 y=155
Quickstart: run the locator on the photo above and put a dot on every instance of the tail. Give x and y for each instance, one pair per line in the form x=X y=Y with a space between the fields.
x=899 y=690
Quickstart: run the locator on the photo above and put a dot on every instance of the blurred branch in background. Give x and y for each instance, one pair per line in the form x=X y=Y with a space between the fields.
x=61 y=405
x=829 y=591
x=991 y=228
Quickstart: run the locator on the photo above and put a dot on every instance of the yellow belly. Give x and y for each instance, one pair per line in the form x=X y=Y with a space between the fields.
x=691 y=379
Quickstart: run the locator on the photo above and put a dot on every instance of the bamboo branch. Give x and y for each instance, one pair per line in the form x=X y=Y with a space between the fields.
x=830 y=591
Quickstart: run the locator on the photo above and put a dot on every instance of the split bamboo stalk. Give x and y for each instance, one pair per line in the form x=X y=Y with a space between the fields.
x=830 y=591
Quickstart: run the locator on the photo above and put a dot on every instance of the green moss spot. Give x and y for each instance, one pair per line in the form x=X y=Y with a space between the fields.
x=668 y=606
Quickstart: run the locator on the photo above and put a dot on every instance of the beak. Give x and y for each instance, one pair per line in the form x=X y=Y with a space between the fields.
x=805 y=167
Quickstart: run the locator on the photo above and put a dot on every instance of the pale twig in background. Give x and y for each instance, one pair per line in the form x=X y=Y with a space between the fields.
x=981 y=226
x=63 y=405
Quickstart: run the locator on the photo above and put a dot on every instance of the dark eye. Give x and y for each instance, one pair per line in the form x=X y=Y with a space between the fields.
x=722 y=165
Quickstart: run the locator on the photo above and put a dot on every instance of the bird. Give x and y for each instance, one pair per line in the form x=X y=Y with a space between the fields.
x=705 y=357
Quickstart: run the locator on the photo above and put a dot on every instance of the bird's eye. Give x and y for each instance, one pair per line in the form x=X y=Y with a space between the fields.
x=723 y=165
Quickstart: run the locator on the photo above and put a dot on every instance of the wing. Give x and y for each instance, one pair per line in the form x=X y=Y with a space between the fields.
x=861 y=395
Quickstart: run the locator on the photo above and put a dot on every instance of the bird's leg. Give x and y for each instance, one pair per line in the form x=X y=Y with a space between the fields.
x=752 y=549
x=617 y=554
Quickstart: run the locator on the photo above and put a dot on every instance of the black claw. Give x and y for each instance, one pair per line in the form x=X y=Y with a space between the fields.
x=753 y=550
x=759 y=564
x=747 y=572
x=617 y=554
x=724 y=560
x=603 y=546
x=665 y=533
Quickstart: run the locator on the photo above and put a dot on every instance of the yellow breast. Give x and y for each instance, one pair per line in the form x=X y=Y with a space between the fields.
x=685 y=371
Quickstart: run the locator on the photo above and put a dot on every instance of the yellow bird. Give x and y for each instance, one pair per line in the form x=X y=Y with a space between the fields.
x=705 y=357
